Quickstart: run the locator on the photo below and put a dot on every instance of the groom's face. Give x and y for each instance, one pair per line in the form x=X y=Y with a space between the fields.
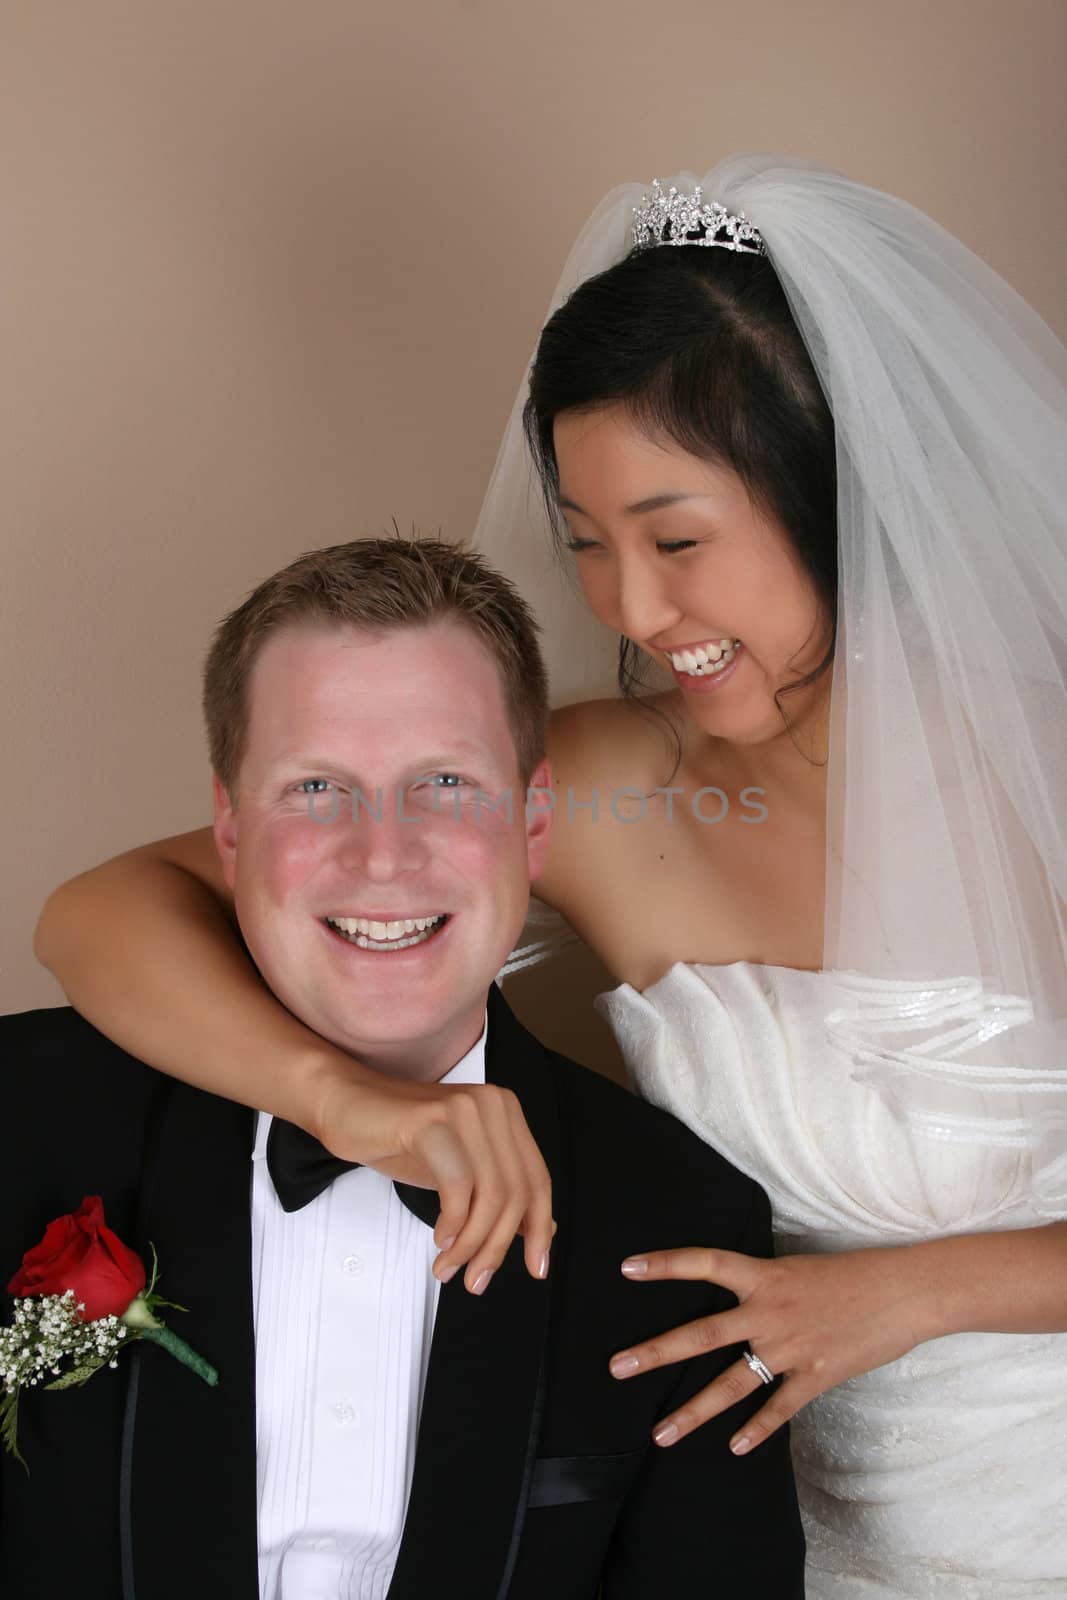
x=378 y=880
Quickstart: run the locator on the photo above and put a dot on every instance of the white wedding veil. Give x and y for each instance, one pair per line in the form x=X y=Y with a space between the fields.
x=946 y=908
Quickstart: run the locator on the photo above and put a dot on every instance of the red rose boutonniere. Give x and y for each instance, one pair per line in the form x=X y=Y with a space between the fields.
x=81 y=1298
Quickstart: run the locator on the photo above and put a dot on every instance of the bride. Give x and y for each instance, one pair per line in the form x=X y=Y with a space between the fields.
x=807 y=455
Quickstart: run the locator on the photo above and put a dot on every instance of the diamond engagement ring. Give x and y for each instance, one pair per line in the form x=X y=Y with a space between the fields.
x=760 y=1368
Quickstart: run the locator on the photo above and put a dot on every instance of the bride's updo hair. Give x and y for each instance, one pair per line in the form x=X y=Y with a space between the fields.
x=701 y=348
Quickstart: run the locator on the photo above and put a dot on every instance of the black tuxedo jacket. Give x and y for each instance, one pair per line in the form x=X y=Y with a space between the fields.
x=535 y=1474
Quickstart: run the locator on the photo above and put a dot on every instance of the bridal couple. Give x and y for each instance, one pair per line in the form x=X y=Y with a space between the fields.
x=806 y=454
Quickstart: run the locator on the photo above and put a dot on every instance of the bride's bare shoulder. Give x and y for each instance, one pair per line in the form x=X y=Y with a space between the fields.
x=599 y=748
x=613 y=741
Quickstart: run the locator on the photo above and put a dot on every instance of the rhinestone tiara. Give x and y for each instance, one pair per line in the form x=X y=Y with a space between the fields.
x=675 y=218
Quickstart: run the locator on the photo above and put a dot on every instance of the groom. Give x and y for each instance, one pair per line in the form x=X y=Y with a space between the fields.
x=375 y=714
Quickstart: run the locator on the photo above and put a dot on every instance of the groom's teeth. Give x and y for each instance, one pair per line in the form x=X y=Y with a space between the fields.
x=383 y=930
x=370 y=933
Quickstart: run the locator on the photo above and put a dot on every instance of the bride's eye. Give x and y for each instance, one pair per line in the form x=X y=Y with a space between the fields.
x=576 y=546
x=671 y=546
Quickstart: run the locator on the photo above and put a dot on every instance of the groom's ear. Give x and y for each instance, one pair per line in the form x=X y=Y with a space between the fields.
x=225 y=829
x=539 y=803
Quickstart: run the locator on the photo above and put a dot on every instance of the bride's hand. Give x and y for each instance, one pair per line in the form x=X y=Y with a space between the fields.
x=470 y=1142
x=812 y=1320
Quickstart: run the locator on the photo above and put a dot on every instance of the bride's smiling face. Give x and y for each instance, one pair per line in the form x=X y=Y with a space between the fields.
x=673 y=553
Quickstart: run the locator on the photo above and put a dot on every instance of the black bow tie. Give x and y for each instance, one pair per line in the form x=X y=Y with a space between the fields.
x=301 y=1168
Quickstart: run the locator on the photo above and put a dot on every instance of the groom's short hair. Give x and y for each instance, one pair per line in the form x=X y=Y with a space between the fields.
x=378 y=585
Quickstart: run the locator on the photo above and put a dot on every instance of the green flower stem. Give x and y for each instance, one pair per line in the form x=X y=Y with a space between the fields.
x=181 y=1351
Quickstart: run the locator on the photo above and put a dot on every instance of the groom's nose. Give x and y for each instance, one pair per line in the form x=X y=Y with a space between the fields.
x=384 y=843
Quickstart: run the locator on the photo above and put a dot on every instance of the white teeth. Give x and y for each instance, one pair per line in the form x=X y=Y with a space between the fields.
x=704 y=659
x=397 y=944
x=370 y=933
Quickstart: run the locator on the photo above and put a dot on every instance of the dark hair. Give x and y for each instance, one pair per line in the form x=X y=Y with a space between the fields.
x=701 y=347
x=378 y=585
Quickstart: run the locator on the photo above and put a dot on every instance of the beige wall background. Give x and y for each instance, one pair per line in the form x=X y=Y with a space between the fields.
x=271 y=274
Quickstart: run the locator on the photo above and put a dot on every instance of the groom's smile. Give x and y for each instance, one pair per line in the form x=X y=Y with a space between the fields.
x=381 y=926
x=387 y=930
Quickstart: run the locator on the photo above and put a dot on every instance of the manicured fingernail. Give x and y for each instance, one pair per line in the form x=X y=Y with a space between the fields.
x=542 y=1268
x=741 y=1446
x=666 y=1434
x=446 y=1244
x=635 y=1267
x=622 y=1366
x=481 y=1282
x=446 y=1274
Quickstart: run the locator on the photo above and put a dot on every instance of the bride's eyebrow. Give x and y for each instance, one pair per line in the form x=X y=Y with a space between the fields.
x=640 y=508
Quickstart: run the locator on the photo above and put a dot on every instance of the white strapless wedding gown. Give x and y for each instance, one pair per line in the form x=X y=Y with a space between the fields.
x=944 y=1474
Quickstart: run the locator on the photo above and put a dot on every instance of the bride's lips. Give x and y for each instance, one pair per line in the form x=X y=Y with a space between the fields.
x=692 y=683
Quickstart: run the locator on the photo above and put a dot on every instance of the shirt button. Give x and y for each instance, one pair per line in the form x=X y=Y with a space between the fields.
x=344 y=1413
x=352 y=1266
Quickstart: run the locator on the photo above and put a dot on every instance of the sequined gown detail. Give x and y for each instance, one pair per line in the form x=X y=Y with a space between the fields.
x=943 y=1474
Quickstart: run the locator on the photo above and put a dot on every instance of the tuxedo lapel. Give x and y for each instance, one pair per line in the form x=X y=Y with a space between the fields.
x=484 y=1386
x=189 y=1458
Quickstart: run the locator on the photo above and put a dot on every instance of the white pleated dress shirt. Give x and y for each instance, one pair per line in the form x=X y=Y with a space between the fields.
x=344 y=1303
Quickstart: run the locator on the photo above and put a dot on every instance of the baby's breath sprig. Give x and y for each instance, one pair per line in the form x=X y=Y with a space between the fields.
x=49 y=1331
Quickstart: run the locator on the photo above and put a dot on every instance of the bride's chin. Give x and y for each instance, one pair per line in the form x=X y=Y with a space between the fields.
x=734 y=728
x=755 y=722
